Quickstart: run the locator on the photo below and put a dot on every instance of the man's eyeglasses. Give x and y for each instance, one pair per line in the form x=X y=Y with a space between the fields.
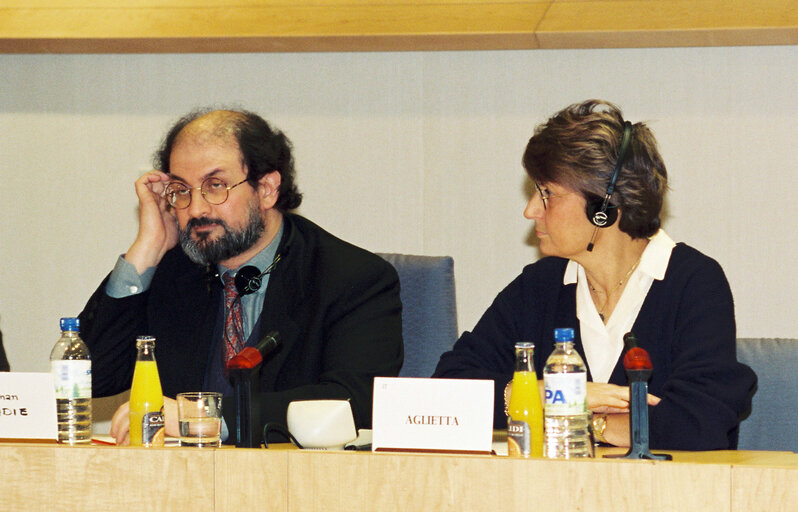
x=214 y=190
x=545 y=195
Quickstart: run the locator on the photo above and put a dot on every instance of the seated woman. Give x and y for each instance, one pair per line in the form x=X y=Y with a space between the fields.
x=600 y=183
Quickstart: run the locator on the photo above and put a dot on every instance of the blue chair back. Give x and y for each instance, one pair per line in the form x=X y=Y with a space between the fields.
x=429 y=311
x=773 y=423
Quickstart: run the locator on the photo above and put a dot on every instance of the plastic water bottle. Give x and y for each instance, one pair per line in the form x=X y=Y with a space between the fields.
x=70 y=365
x=565 y=412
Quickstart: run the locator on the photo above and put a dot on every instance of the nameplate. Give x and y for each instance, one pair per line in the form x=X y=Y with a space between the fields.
x=27 y=407
x=432 y=415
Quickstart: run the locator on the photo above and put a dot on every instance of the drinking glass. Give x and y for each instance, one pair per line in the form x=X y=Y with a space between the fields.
x=200 y=417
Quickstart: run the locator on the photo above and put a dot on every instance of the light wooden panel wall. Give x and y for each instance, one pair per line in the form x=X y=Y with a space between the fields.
x=81 y=26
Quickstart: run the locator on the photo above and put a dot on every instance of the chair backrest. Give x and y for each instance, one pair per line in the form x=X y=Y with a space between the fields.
x=429 y=311
x=773 y=423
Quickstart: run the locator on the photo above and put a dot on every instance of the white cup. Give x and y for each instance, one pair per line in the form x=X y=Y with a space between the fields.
x=321 y=424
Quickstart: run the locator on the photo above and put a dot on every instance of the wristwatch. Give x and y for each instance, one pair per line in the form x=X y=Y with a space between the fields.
x=599 y=424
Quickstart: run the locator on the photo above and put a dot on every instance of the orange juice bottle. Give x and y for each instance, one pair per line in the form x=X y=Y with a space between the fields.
x=525 y=424
x=146 y=397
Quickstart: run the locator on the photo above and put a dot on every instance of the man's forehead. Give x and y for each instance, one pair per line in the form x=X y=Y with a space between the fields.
x=206 y=138
x=182 y=161
x=219 y=126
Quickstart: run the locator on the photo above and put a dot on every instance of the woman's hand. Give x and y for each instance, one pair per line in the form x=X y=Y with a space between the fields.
x=605 y=398
x=602 y=398
x=617 y=431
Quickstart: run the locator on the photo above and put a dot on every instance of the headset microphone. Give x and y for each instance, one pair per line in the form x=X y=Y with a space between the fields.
x=600 y=212
x=249 y=279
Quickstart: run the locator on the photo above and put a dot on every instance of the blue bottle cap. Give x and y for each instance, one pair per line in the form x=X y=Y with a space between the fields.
x=70 y=323
x=563 y=334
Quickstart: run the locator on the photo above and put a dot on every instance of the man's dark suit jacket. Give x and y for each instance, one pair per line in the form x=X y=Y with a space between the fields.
x=336 y=307
x=4 y=367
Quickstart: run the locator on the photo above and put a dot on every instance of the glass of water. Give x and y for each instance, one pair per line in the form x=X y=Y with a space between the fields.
x=200 y=417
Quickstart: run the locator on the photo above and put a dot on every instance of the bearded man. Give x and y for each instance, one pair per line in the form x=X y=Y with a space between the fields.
x=224 y=189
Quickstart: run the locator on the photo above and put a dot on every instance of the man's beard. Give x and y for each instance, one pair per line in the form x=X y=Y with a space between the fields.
x=230 y=244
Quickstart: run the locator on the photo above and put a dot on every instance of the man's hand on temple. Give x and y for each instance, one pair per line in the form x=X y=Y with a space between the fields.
x=157 y=224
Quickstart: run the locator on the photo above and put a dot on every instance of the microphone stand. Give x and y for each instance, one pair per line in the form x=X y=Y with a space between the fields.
x=243 y=371
x=243 y=382
x=638 y=368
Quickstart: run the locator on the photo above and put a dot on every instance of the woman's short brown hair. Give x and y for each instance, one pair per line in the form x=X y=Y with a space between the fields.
x=578 y=148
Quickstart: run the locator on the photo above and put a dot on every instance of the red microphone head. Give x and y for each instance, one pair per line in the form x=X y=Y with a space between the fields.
x=247 y=359
x=637 y=358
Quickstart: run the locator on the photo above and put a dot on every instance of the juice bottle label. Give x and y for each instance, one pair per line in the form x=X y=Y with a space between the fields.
x=519 y=439
x=152 y=428
x=566 y=393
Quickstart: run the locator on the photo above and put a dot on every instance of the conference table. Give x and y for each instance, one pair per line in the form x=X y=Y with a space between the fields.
x=281 y=478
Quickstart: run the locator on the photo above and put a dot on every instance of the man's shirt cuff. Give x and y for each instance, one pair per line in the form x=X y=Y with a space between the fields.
x=125 y=281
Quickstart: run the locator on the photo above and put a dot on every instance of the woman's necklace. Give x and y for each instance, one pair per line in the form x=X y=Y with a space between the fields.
x=609 y=295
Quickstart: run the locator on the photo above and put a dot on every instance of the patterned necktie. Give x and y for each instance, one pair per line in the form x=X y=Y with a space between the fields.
x=233 y=321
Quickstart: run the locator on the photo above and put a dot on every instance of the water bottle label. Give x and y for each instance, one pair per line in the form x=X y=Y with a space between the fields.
x=152 y=428
x=519 y=439
x=72 y=378
x=566 y=393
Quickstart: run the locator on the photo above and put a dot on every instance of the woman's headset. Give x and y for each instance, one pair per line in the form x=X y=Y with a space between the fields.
x=600 y=212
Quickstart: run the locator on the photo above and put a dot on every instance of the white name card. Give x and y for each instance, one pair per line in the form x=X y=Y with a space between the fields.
x=432 y=415
x=27 y=407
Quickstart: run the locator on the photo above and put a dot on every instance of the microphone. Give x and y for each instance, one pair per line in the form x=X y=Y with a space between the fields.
x=249 y=279
x=242 y=368
x=637 y=364
x=250 y=357
x=592 y=240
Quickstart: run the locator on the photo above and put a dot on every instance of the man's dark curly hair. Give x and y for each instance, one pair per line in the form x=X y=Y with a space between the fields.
x=263 y=150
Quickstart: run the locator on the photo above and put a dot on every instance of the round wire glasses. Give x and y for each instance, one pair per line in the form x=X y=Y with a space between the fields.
x=214 y=190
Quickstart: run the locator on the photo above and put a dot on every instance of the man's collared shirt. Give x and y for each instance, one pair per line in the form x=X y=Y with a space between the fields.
x=125 y=281
x=252 y=303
